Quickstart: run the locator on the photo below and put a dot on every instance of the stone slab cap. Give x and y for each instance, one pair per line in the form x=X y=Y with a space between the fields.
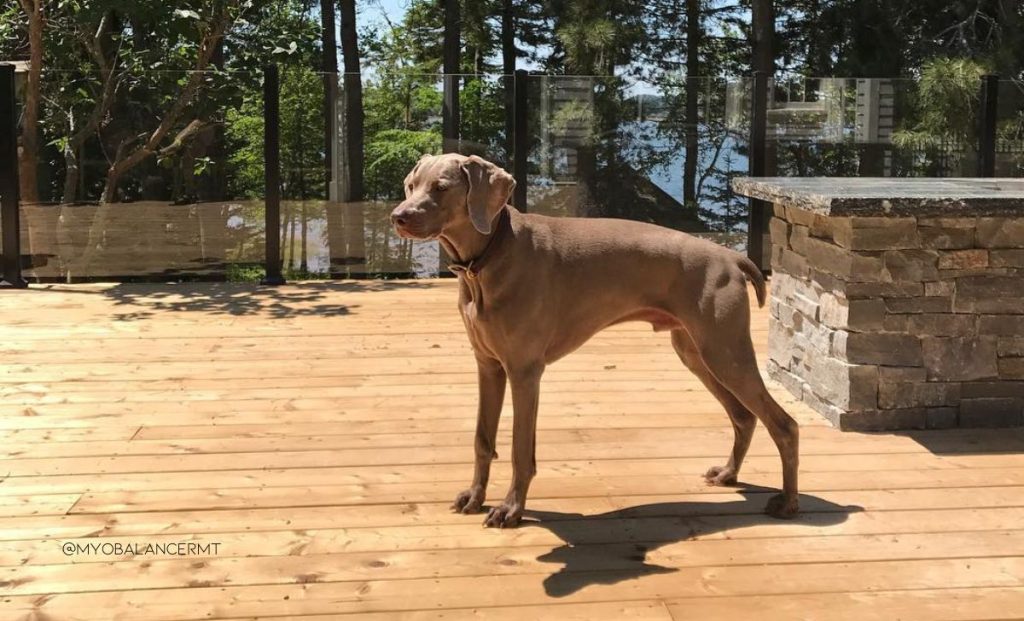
x=888 y=196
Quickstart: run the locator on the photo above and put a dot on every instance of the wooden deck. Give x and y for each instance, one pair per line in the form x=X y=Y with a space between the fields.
x=318 y=432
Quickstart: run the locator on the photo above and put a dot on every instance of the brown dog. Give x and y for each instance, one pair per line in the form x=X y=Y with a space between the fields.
x=533 y=289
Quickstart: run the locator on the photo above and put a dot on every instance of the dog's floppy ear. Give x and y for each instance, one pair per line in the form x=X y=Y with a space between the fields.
x=489 y=190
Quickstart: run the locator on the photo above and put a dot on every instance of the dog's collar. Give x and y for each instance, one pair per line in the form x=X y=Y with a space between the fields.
x=472 y=267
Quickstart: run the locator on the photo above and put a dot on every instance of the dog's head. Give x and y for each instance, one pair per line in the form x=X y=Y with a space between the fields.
x=444 y=192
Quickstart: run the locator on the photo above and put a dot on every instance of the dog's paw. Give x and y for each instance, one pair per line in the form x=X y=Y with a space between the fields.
x=782 y=507
x=469 y=501
x=720 y=475
x=505 y=515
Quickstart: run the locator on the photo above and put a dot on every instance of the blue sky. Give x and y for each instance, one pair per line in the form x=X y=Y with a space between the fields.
x=372 y=11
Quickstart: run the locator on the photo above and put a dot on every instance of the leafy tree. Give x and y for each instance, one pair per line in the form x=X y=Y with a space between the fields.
x=143 y=86
x=388 y=157
x=133 y=150
x=945 y=107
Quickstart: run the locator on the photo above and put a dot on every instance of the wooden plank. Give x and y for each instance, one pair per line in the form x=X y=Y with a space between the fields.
x=571 y=487
x=37 y=504
x=310 y=596
x=561 y=564
x=920 y=604
x=445 y=396
x=683 y=440
x=321 y=377
x=377 y=372
x=456 y=474
x=275 y=453
x=881 y=536
x=280 y=411
x=465 y=423
x=19 y=437
x=602 y=611
x=277 y=425
x=882 y=510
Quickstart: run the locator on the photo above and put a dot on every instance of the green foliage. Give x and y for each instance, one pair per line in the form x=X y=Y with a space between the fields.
x=942 y=126
x=483 y=118
x=244 y=133
x=302 y=139
x=390 y=154
x=302 y=153
x=147 y=51
x=946 y=102
x=245 y=272
x=598 y=35
x=402 y=100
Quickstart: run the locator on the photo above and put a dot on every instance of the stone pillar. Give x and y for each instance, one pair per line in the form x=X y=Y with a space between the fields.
x=898 y=322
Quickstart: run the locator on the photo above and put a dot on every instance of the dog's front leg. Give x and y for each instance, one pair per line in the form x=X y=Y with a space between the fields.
x=525 y=382
x=491 y=379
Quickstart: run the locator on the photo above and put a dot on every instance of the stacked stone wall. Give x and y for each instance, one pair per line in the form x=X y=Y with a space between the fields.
x=899 y=322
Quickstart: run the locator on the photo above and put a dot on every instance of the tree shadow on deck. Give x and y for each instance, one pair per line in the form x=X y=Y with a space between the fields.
x=611 y=547
x=304 y=299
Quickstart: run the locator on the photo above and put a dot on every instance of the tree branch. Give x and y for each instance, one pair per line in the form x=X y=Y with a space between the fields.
x=186 y=134
x=207 y=46
x=107 y=71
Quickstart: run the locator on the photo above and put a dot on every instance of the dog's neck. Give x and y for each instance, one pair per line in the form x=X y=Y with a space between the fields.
x=464 y=244
x=470 y=249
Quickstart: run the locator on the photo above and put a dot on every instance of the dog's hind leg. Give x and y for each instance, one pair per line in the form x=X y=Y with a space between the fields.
x=743 y=421
x=722 y=337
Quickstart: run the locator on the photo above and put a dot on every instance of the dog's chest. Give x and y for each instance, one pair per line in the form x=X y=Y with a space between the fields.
x=475 y=316
x=482 y=323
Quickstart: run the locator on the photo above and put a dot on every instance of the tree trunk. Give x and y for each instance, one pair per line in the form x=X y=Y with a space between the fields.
x=452 y=47
x=349 y=221
x=29 y=152
x=329 y=65
x=215 y=185
x=71 y=174
x=508 y=67
x=353 y=103
x=693 y=35
x=77 y=137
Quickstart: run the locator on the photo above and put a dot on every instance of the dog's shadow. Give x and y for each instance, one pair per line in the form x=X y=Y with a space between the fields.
x=611 y=547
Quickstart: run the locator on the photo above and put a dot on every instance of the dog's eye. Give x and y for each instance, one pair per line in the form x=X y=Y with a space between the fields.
x=438 y=187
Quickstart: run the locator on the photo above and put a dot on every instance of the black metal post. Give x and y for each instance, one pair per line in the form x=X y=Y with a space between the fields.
x=272 y=172
x=9 y=216
x=450 y=114
x=987 y=112
x=520 y=139
x=756 y=166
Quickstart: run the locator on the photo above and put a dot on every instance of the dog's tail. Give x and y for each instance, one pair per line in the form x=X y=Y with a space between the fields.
x=756 y=278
